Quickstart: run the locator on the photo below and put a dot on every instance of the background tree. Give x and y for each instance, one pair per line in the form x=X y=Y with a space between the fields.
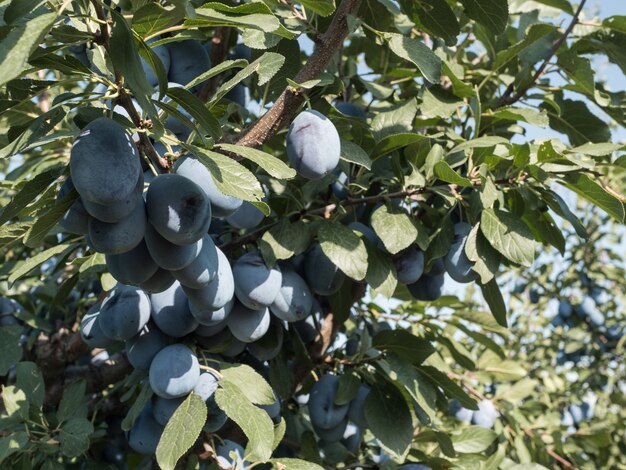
x=203 y=205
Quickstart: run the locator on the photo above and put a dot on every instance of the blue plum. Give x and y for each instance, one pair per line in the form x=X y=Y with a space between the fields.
x=90 y=330
x=565 y=309
x=351 y=438
x=427 y=288
x=76 y=219
x=145 y=434
x=163 y=408
x=332 y=434
x=237 y=95
x=294 y=300
x=132 y=267
x=163 y=54
x=121 y=236
x=246 y=324
x=256 y=285
x=112 y=213
x=486 y=414
x=356 y=412
x=589 y=310
x=458 y=265
x=216 y=418
x=230 y=455
x=323 y=411
x=170 y=312
x=270 y=345
x=160 y=281
x=313 y=145
x=366 y=232
x=409 y=265
x=246 y=217
x=206 y=386
x=141 y=349
x=322 y=276
x=168 y=255
x=459 y=412
x=203 y=269
x=104 y=162
x=178 y=209
x=350 y=109
x=188 y=59
x=124 y=312
x=222 y=205
x=174 y=371
x=339 y=187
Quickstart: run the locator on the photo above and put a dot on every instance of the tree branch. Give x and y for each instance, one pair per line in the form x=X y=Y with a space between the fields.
x=219 y=52
x=508 y=98
x=288 y=103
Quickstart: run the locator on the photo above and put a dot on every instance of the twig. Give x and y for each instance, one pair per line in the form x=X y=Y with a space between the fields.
x=508 y=98
x=288 y=103
x=219 y=51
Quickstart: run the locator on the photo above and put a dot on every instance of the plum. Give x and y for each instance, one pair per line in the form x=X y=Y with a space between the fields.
x=256 y=285
x=119 y=237
x=141 y=349
x=270 y=345
x=409 y=265
x=427 y=288
x=294 y=300
x=222 y=205
x=104 y=162
x=459 y=412
x=366 y=232
x=214 y=296
x=90 y=330
x=163 y=408
x=174 y=371
x=323 y=411
x=188 y=59
x=246 y=324
x=339 y=187
x=458 y=265
x=351 y=438
x=322 y=276
x=170 y=312
x=216 y=418
x=168 y=255
x=203 y=269
x=246 y=217
x=163 y=54
x=132 y=267
x=76 y=219
x=313 y=145
x=124 y=312
x=230 y=455
x=309 y=328
x=145 y=434
x=112 y=213
x=332 y=434
x=486 y=414
x=356 y=412
x=350 y=109
x=160 y=281
x=178 y=209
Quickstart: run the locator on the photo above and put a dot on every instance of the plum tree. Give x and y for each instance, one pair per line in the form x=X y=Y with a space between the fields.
x=174 y=371
x=256 y=285
x=313 y=145
x=178 y=209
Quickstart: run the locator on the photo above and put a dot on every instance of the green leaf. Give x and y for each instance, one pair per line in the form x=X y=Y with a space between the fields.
x=415 y=51
x=509 y=235
x=249 y=382
x=597 y=150
x=321 y=7
x=72 y=403
x=30 y=380
x=27 y=193
x=396 y=229
x=494 y=299
x=407 y=346
x=564 y=5
x=352 y=153
x=348 y=387
x=44 y=223
x=74 y=436
x=345 y=249
x=389 y=419
x=253 y=421
x=444 y=172
x=493 y=14
x=10 y=349
x=486 y=259
x=381 y=272
x=181 y=431
x=473 y=439
x=397 y=120
x=450 y=387
x=15 y=401
x=194 y=106
x=294 y=464
x=578 y=123
x=17 y=46
x=437 y=102
x=437 y=18
x=27 y=266
x=137 y=407
x=285 y=240
x=231 y=177
x=279 y=432
x=531 y=116
x=15 y=442
x=153 y=17
x=480 y=142
x=590 y=190
x=272 y=165
x=251 y=15
x=394 y=142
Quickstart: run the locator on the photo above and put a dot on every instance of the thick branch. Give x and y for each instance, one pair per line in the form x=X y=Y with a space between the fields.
x=288 y=103
x=53 y=353
x=508 y=98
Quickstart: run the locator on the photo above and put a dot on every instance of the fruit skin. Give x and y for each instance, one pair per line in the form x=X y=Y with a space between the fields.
x=248 y=325
x=307 y=328
x=256 y=285
x=409 y=265
x=114 y=212
x=356 y=412
x=458 y=265
x=323 y=411
x=224 y=458
x=459 y=412
x=124 y=312
x=339 y=187
x=333 y=434
x=145 y=434
x=160 y=281
x=164 y=408
x=178 y=209
x=216 y=295
x=121 y=236
x=188 y=59
x=90 y=330
x=322 y=276
x=486 y=414
x=350 y=109
x=565 y=309
x=294 y=300
x=174 y=371
x=164 y=56
x=414 y=466
x=246 y=217
x=168 y=255
x=76 y=219
x=221 y=204
x=141 y=349
x=203 y=269
x=313 y=145
x=170 y=312
x=104 y=162
x=367 y=233
x=589 y=310
x=428 y=286
x=270 y=345
x=132 y=267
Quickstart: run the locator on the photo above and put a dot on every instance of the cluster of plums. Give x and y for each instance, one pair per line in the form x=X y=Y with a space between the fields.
x=485 y=416
x=577 y=413
x=587 y=311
